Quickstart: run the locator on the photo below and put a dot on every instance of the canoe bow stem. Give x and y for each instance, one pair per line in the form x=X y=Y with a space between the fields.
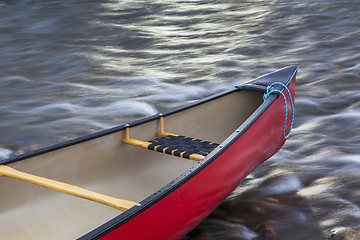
x=69 y=189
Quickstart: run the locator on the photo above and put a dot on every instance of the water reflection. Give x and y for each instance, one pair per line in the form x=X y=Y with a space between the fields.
x=72 y=68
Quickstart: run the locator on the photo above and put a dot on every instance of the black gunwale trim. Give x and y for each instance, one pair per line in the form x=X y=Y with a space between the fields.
x=111 y=130
x=246 y=86
x=193 y=171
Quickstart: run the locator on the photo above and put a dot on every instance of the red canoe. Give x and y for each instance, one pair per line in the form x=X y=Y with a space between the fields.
x=173 y=168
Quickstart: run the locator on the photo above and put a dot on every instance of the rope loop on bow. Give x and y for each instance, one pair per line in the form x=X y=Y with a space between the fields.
x=270 y=91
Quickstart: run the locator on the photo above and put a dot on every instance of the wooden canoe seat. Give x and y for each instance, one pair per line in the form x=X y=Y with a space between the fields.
x=174 y=144
x=181 y=146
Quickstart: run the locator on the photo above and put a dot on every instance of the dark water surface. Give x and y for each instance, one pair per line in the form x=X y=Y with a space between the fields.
x=70 y=68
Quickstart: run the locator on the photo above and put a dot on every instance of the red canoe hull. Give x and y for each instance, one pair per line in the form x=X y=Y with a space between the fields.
x=175 y=215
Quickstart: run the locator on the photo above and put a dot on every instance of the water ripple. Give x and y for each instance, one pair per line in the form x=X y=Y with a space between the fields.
x=70 y=68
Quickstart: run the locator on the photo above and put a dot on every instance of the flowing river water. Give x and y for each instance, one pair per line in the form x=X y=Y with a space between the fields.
x=70 y=68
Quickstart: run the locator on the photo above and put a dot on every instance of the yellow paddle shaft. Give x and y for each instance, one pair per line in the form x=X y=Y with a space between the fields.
x=69 y=189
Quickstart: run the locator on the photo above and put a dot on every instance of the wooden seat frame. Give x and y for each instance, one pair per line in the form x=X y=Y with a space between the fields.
x=163 y=134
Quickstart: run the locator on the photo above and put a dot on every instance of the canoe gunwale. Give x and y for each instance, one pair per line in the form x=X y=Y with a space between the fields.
x=111 y=130
x=259 y=85
x=169 y=188
x=255 y=85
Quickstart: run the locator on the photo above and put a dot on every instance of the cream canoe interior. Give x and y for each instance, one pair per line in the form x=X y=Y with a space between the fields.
x=108 y=166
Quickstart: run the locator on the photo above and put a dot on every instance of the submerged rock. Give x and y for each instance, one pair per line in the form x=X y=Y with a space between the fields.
x=345 y=234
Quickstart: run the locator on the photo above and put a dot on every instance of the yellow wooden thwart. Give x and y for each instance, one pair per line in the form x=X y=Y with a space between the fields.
x=69 y=189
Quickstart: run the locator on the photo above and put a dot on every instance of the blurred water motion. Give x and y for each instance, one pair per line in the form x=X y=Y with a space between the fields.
x=70 y=68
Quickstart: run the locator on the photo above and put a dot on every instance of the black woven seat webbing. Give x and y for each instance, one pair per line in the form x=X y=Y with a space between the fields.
x=176 y=145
